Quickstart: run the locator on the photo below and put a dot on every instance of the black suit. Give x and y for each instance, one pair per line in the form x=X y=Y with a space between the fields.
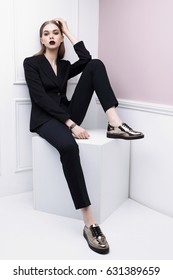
x=51 y=108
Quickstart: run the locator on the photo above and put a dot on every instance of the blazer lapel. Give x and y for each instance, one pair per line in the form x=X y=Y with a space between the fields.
x=47 y=68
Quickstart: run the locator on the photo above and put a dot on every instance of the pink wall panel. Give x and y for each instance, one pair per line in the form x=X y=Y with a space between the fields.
x=136 y=45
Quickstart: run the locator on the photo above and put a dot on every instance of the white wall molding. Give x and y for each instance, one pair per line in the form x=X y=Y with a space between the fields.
x=18 y=78
x=76 y=18
x=22 y=135
x=144 y=106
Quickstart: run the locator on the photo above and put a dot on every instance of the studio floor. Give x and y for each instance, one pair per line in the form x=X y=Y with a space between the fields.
x=133 y=231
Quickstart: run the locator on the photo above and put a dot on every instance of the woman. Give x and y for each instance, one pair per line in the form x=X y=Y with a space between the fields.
x=58 y=120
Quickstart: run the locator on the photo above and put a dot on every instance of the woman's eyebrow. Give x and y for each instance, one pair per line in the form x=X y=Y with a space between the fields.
x=51 y=30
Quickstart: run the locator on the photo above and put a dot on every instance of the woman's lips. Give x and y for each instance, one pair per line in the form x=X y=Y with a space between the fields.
x=52 y=42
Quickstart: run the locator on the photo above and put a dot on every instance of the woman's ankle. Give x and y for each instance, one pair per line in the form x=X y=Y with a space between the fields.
x=88 y=217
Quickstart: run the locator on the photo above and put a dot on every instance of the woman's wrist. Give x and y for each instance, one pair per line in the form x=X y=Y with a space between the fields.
x=71 y=37
x=72 y=126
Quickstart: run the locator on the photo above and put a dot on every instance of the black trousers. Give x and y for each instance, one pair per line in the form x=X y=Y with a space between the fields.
x=93 y=78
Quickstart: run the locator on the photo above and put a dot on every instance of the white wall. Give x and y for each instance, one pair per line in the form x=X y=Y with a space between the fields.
x=20 y=21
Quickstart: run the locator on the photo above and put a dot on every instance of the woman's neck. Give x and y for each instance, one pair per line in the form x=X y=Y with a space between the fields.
x=51 y=56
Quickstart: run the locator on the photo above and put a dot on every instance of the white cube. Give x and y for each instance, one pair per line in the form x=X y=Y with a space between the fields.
x=105 y=164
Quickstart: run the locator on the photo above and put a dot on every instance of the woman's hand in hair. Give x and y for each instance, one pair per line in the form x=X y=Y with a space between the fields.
x=66 y=30
x=63 y=24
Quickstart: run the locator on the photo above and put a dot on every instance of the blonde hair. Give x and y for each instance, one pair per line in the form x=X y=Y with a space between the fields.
x=61 y=51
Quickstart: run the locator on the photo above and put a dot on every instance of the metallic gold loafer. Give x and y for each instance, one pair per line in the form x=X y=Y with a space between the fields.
x=123 y=132
x=96 y=239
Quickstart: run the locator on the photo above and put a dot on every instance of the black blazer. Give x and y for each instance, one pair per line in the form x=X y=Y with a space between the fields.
x=46 y=89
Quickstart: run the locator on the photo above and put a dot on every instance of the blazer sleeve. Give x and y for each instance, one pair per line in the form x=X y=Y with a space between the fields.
x=38 y=94
x=84 y=57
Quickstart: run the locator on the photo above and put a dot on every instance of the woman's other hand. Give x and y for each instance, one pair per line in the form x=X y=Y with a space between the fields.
x=79 y=132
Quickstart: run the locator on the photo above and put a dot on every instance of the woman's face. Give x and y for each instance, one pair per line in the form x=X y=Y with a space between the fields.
x=51 y=36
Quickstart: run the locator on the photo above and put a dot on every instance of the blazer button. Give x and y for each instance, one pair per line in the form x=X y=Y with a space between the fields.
x=58 y=93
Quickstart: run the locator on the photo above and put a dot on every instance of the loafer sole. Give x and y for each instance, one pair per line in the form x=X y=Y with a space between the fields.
x=116 y=136
x=97 y=250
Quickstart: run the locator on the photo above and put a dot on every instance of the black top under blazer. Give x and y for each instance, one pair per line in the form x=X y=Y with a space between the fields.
x=48 y=90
